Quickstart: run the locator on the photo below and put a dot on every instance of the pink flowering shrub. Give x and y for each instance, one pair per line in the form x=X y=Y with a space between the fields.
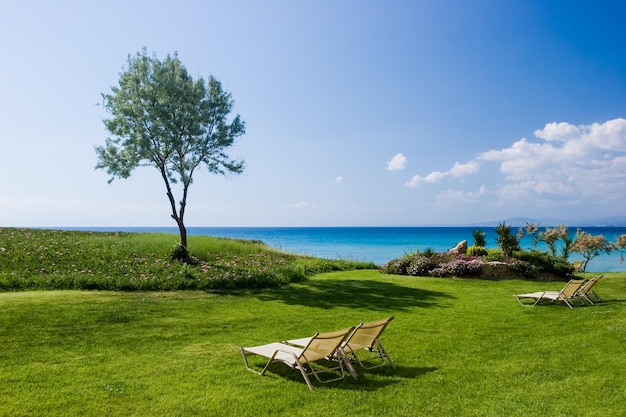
x=458 y=267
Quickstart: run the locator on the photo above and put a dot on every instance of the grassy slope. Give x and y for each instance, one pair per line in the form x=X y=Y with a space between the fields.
x=53 y=259
x=462 y=347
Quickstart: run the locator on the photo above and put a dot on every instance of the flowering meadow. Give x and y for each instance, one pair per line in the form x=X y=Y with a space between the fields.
x=58 y=259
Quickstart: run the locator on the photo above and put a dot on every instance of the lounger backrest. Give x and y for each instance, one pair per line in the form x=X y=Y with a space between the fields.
x=572 y=287
x=587 y=287
x=366 y=334
x=322 y=345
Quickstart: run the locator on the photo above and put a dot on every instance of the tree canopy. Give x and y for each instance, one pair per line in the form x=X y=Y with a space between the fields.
x=162 y=117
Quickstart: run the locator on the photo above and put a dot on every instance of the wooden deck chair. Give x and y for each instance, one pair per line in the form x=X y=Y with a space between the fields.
x=586 y=292
x=365 y=336
x=320 y=346
x=568 y=293
x=578 y=266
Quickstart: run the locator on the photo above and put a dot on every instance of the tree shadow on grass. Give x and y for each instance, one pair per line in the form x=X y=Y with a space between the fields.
x=373 y=295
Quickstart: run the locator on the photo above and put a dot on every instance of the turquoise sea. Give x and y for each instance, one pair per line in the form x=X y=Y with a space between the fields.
x=376 y=244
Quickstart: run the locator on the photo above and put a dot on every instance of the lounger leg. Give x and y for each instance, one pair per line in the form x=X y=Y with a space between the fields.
x=305 y=376
x=341 y=357
x=245 y=361
x=584 y=298
x=383 y=354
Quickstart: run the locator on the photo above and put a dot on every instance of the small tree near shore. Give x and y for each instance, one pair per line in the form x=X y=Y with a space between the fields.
x=161 y=117
x=552 y=236
x=620 y=243
x=590 y=246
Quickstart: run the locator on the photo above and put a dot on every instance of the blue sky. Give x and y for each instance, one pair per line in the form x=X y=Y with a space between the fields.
x=358 y=113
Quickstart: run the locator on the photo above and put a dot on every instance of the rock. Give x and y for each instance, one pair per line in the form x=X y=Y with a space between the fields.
x=498 y=270
x=459 y=249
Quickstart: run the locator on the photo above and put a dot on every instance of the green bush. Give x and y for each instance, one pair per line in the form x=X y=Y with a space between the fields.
x=494 y=255
x=476 y=251
x=398 y=266
x=545 y=262
x=423 y=265
x=525 y=268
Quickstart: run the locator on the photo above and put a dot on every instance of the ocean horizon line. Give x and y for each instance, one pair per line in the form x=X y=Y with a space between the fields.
x=443 y=225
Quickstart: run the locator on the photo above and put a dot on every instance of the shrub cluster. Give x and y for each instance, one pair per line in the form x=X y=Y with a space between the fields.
x=544 y=262
x=529 y=264
x=458 y=267
x=423 y=265
x=476 y=251
x=436 y=265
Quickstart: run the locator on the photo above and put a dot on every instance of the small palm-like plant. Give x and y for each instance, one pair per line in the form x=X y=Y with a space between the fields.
x=479 y=238
x=507 y=242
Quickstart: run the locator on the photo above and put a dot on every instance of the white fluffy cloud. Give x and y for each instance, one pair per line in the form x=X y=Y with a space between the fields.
x=458 y=170
x=398 y=162
x=560 y=132
x=565 y=163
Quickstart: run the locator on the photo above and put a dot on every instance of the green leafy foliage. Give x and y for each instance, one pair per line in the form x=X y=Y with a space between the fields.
x=545 y=262
x=525 y=268
x=163 y=118
x=590 y=246
x=507 y=242
x=399 y=266
x=494 y=254
x=479 y=238
x=476 y=251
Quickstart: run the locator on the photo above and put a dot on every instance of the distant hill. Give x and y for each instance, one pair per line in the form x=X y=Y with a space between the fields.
x=615 y=221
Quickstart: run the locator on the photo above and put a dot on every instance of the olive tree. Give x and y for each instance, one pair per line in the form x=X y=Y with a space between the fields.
x=620 y=244
x=552 y=236
x=590 y=246
x=161 y=117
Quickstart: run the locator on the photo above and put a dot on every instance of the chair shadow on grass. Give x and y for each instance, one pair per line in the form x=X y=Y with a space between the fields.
x=373 y=295
x=370 y=380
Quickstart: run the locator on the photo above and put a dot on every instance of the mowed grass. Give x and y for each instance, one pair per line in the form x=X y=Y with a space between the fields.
x=462 y=347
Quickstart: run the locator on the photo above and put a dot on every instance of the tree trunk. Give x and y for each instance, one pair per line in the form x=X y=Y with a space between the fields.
x=181 y=253
x=183 y=233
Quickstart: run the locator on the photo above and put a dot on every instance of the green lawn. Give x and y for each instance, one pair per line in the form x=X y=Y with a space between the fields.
x=462 y=348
